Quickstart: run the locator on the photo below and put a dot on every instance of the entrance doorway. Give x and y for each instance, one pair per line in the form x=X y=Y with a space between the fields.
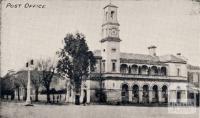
x=84 y=96
x=135 y=93
x=124 y=93
x=197 y=99
x=155 y=94
x=178 y=96
x=145 y=96
x=165 y=94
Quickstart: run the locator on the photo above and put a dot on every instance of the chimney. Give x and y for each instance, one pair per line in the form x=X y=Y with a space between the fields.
x=152 y=50
x=178 y=54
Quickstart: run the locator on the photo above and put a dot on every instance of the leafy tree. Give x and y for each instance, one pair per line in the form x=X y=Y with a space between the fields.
x=196 y=0
x=47 y=69
x=74 y=61
x=7 y=86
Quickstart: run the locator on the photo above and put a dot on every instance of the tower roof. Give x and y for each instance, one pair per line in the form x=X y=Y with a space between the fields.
x=110 y=5
x=152 y=46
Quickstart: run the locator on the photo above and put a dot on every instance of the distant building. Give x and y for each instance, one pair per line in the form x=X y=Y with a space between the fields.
x=132 y=78
x=194 y=82
x=57 y=85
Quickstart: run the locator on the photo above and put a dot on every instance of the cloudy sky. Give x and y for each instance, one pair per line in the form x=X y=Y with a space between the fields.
x=172 y=25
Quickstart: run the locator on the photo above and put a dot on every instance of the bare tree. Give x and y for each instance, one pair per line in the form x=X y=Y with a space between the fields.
x=17 y=86
x=22 y=79
x=47 y=69
x=36 y=79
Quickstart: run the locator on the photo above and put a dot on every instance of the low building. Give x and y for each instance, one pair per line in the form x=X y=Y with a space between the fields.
x=194 y=83
x=57 y=87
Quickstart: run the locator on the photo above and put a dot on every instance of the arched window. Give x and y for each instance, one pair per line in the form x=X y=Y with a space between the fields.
x=134 y=69
x=155 y=93
x=135 y=93
x=124 y=93
x=123 y=68
x=163 y=71
x=154 y=70
x=106 y=15
x=145 y=96
x=164 y=93
x=144 y=69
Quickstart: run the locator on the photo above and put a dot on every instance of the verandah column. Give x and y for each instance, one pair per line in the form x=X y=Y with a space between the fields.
x=140 y=95
x=88 y=90
x=160 y=96
x=150 y=95
x=130 y=95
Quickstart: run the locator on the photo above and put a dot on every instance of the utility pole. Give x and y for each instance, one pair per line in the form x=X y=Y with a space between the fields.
x=28 y=98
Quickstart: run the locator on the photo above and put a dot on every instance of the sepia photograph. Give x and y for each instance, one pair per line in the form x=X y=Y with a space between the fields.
x=99 y=58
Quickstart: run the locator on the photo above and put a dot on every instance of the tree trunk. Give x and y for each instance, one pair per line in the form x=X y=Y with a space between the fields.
x=18 y=96
x=77 y=94
x=48 y=96
x=25 y=93
x=36 y=94
x=77 y=99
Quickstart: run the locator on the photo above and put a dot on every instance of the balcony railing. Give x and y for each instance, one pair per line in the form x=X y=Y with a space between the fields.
x=142 y=76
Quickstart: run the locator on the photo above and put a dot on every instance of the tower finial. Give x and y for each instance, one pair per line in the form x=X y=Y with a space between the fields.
x=110 y=1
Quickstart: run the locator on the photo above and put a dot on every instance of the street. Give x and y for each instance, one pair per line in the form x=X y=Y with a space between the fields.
x=18 y=110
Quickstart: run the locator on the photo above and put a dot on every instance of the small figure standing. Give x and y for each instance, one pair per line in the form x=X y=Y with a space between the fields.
x=53 y=98
x=57 y=98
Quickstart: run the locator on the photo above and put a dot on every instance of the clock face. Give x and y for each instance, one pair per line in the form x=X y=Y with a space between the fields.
x=113 y=32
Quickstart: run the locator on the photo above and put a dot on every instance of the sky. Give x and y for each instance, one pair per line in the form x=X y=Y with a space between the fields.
x=172 y=25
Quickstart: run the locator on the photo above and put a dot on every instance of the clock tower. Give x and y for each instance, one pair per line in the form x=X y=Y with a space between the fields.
x=110 y=42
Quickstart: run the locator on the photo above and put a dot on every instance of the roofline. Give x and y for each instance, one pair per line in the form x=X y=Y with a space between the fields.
x=183 y=62
x=110 y=23
x=114 y=39
x=110 y=5
x=153 y=46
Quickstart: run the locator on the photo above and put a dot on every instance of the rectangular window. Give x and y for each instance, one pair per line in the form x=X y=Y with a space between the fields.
x=178 y=72
x=114 y=49
x=195 y=78
x=103 y=65
x=103 y=85
x=113 y=66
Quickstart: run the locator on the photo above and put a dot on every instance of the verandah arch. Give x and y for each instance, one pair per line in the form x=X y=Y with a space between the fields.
x=125 y=93
x=135 y=93
x=165 y=93
x=145 y=96
x=155 y=94
x=124 y=68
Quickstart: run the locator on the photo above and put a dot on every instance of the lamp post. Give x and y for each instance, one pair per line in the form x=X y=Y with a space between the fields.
x=28 y=100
